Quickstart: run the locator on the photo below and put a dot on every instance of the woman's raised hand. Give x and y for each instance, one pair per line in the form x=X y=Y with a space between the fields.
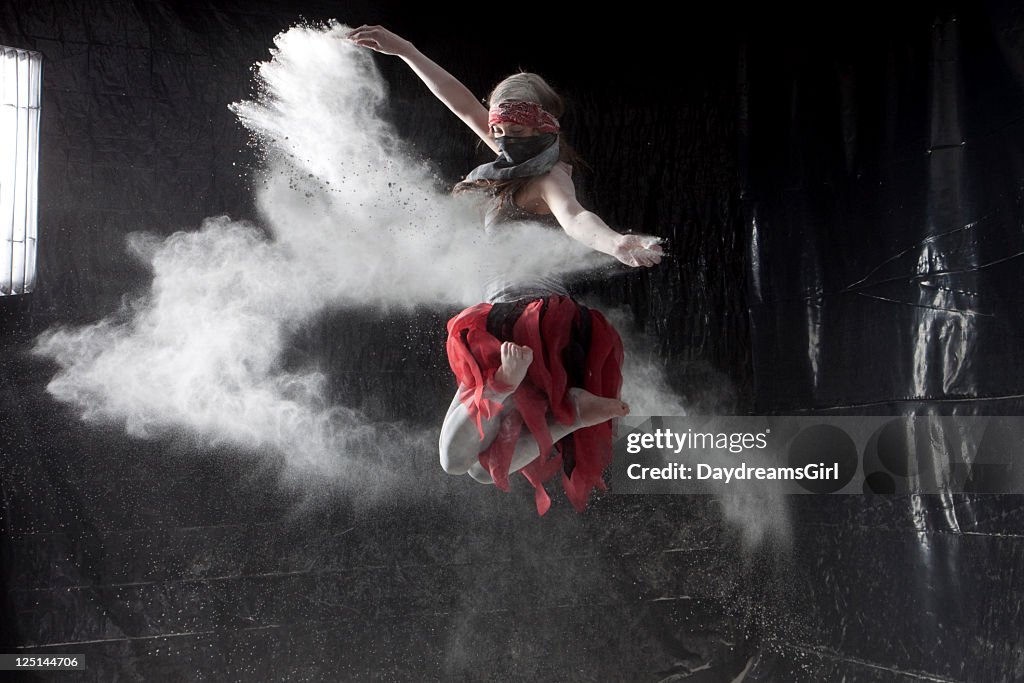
x=380 y=39
x=639 y=250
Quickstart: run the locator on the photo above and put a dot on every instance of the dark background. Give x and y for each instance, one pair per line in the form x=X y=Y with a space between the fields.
x=842 y=194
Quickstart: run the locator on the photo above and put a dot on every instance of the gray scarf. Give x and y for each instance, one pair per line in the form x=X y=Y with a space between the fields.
x=504 y=168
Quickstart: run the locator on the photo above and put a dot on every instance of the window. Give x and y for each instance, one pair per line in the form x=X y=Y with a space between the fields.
x=20 y=79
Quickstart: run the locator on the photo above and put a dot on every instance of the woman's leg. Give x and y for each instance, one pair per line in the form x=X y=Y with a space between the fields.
x=460 y=442
x=590 y=410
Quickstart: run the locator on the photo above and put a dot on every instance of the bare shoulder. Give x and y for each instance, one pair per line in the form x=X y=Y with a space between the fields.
x=543 y=193
x=563 y=167
x=558 y=178
x=558 y=192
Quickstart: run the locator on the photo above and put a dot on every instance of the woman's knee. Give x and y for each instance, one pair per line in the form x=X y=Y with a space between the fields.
x=479 y=474
x=454 y=460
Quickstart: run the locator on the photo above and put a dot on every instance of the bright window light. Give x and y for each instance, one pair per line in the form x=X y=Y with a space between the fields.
x=20 y=79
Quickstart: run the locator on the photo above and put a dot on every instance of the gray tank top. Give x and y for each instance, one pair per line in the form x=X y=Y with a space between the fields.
x=501 y=287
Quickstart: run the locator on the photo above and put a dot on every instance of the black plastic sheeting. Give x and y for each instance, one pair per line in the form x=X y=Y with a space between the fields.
x=843 y=200
x=884 y=198
x=885 y=215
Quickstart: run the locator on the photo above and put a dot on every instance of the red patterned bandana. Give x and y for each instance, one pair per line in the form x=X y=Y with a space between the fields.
x=525 y=114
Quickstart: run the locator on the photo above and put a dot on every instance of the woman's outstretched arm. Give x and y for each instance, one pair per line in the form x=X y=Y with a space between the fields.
x=559 y=193
x=445 y=87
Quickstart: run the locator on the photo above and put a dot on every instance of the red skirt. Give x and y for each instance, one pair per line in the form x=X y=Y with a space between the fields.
x=573 y=346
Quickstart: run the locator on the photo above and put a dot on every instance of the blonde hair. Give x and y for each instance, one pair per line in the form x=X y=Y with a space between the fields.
x=523 y=87
x=528 y=87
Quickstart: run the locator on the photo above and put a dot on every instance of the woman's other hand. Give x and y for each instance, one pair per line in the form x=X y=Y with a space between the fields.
x=380 y=39
x=639 y=250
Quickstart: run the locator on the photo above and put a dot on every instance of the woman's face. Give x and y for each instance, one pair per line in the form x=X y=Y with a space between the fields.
x=512 y=130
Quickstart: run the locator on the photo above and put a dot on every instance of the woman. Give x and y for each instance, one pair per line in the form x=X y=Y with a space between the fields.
x=531 y=356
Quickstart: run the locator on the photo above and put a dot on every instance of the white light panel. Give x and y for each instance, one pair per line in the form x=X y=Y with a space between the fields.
x=20 y=81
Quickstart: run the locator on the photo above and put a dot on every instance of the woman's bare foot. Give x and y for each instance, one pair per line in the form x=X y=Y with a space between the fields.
x=593 y=410
x=515 y=361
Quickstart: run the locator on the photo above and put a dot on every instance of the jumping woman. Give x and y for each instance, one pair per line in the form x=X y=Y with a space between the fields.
x=539 y=373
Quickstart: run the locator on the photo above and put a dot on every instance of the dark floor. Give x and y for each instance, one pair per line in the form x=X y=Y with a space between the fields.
x=157 y=561
x=779 y=144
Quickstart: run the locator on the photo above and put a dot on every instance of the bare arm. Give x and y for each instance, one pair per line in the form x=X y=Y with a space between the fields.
x=559 y=193
x=445 y=87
